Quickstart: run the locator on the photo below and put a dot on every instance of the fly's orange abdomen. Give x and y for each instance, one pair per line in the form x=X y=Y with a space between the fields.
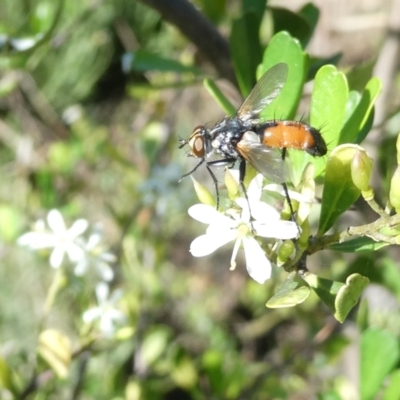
x=292 y=135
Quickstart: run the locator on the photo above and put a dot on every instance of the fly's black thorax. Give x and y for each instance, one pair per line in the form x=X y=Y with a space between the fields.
x=226 y=134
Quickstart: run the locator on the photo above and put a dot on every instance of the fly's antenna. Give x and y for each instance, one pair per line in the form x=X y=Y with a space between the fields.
x=182 y=142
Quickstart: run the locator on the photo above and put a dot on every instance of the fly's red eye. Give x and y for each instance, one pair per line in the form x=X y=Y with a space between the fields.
x=196 y=144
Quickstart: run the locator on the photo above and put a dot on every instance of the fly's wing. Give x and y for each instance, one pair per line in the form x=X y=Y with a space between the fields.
x=266 y=160
x=267 y=89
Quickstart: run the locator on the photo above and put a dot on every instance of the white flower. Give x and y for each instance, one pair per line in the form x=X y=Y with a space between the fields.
x=95 y=256
x=237 y=227
x=61 y=239
x=106 y=311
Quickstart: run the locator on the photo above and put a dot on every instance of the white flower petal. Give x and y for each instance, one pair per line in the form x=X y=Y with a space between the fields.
x=56 y=221
x=37 y=240
x=57 y=256
x=273 y=187
x=257 y=264
x=264 y=212
x=203 y=213
x=92 y=314
x=255 y=188
x=244 y=205
x=207 y=244
x=75 y=252
x=278 y=229
x=78 y=228
x=102 y=291
x=105 y=271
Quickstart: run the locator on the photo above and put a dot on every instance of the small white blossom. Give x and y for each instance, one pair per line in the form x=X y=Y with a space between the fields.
x=106 y=312
x=95 y=256
x=58 y=237
x=238 y=227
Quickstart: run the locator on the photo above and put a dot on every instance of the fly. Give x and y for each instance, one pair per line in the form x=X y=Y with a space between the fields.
x=247 y=137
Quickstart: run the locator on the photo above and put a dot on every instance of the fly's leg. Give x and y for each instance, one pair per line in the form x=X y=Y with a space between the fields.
x=285 y=189
x=242 y=174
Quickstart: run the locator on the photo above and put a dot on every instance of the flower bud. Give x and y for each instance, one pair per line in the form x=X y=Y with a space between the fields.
x=285 y=251
x=394 y=193
x=203 y=194
x=232 y=185
x=361 y=168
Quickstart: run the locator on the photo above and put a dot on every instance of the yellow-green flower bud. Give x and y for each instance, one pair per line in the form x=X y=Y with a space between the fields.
x=203 y=194
x=232 y=185
x=285 y=251
x=394 y=193
x=305 y=234
x=361 y=169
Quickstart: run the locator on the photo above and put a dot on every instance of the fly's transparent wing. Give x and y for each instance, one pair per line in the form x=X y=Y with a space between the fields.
x=267 y=89
x=266 y=160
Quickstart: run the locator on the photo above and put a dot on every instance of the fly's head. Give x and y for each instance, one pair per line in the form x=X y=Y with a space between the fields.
x=199 y=142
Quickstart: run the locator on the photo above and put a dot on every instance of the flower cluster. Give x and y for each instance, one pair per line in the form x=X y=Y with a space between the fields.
x=84 y=253
x=242 y=224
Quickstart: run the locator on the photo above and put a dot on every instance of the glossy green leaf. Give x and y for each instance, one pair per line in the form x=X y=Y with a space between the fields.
x=339 y=190
x=391 y=390
x=55 y=348
x=284 y=48
x=348 y=295
x=379 y=353
x=361 y=109
x=289 y=294
x=358 y=245
x=339 y=297
x=316 y=63
x=325 y=289
x=219 y=97
x=143 y=60
x=311 y=14
x=328 y=103
x=295 y=24
x=245 y=50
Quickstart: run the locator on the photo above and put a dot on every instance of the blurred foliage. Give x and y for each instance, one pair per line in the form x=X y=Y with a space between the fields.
x=85 y=129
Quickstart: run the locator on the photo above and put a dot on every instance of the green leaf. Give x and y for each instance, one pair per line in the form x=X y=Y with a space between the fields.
x=219 y=97
x=212 y=364
x=361 y=109
x=379 y=354
x=295 y=24
x=339 y=297
x=358 y=245
x=154 y=344
x=391 y=390
x=284 y=48
x=6 y=377
x=55 y=348
x=325 y=289
x=245 y=50
x=289 y=294
x=311 y=14
x=316 y=63
x=143 y=60
x=339 y=190
x=328 y=102
x=184 y=372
